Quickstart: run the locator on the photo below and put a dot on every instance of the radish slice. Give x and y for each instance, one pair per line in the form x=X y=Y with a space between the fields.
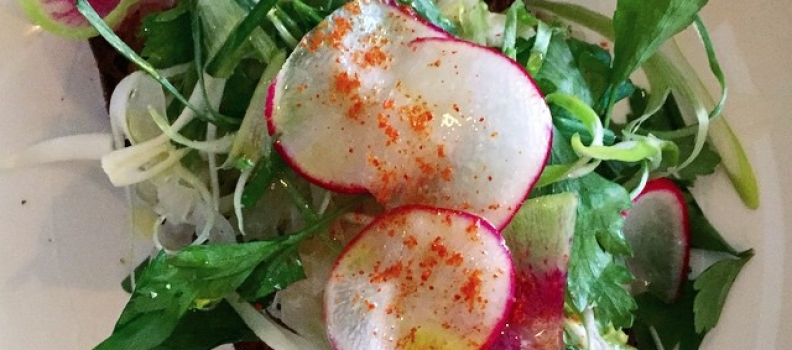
x=658 y=231
x=539 y=237
x=61 y=16
x=420 y=278
x=364 y=106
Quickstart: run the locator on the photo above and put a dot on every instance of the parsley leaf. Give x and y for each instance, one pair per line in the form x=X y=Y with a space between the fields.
x=197 y=276
x=713 y=287
x=596 y=271
x=613 y=302
x=559 y=72
x=208 y=329
x=704 y=163
x=673 y=323
x=594 y=64
x=640 y=28
x=168 y=37
x=283 y=270
x=685 y=322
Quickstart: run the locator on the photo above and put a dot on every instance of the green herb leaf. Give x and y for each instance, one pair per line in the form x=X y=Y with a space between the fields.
x=704 y=163
x=196 y=277
x=252 y=141
x=612 y=302
x=208 y=329
x=569 y=126
x=84 y=7
x=429 y=11
x=593 y=61
x=224 y=61
x=559 y=72
x=239 y=89
x=673 y=323
x=596 y=273
x=713 y=287
x=168 y=37
x=265 y=172
x=273 y=275
x=517 y=19
x=640 y=28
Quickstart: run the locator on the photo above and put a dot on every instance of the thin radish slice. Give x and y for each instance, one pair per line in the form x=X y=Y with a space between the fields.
x=357 y=39
x=61 y=16
x=420 y=278
x=658 y=231
x=433 y=120
x=539 y=238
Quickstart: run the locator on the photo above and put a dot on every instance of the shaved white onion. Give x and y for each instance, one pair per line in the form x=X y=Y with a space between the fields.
x=238 y=190
x=268 y=330
x=141 y=162
x=66 y=148
x=130 y=103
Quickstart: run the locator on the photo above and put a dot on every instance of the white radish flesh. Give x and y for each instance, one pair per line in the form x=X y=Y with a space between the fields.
x=420 y=278
x=658 y=231
x=539 y=238
x=375 y=101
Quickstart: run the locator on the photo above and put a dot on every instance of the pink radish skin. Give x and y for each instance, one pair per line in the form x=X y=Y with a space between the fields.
x=65 y=11
x=539 y=238
x=269 y=106
x=420 y=278
x=432 y=120
x=537 y=318
x=62 y=17
x=658 y=229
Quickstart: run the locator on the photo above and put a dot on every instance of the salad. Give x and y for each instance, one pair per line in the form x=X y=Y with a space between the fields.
x=455 y=174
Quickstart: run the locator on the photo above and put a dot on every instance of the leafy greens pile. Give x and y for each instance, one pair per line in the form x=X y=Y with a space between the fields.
x=215 y=59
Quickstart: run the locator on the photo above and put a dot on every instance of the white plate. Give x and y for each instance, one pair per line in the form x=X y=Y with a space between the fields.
x=64 y=248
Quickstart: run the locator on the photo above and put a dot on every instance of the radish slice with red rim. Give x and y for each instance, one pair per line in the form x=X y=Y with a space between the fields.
x=61 y=16
x=539 y=238
x=420 y=278
x=658 y=231
x=412 y=117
